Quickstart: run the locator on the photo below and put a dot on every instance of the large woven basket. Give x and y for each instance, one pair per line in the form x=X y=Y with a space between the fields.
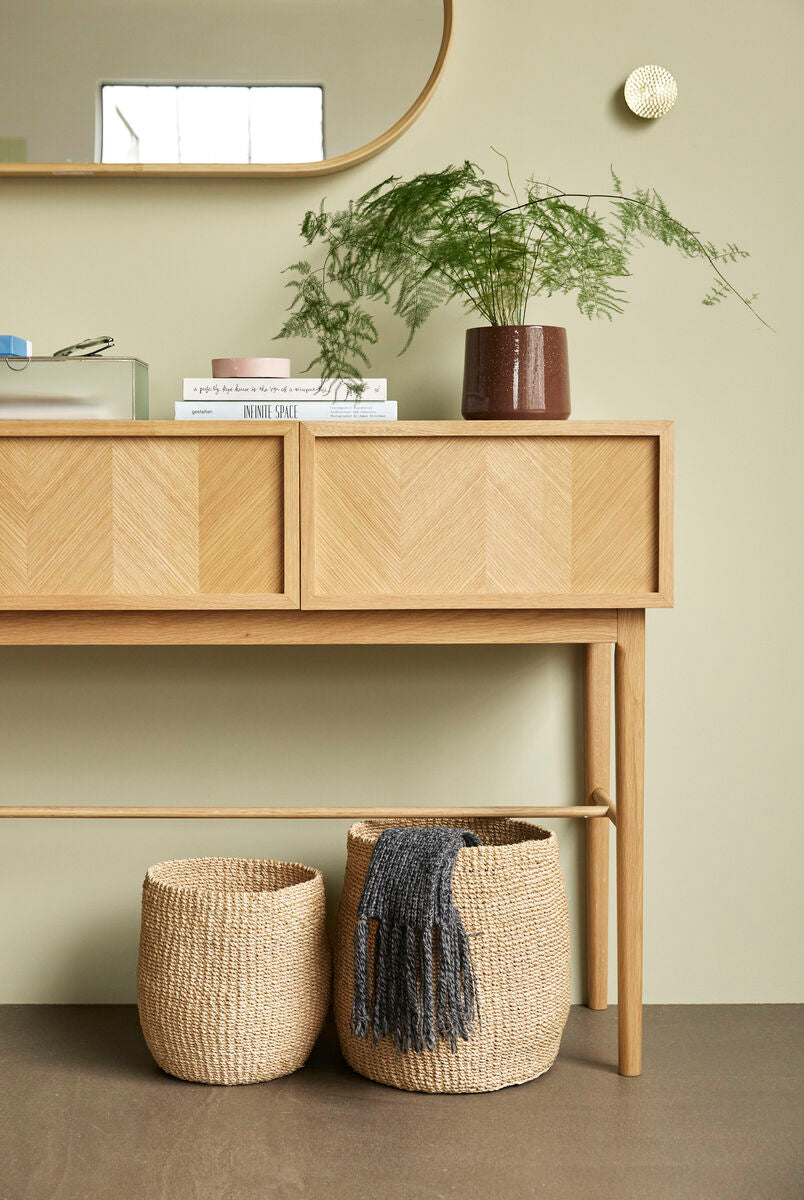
x=510 y=893
x=234 y=975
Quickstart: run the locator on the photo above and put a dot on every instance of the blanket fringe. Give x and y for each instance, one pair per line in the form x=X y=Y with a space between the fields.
x=420 y=987
x=398 y=998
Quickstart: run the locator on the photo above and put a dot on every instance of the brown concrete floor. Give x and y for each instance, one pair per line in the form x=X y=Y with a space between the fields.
x=85 y=1113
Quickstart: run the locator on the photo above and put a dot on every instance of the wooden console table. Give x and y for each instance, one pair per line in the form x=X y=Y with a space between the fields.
x=170 y=533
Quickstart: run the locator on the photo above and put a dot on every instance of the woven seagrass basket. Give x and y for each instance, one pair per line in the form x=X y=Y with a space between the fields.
x=510 y=894
x=234 y=972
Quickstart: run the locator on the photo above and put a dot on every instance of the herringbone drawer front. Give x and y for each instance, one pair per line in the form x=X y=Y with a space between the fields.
x=420 y=516
x=149 y=521
x=97 y=515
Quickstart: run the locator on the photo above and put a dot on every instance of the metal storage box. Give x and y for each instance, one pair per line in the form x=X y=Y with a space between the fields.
x=73 y=389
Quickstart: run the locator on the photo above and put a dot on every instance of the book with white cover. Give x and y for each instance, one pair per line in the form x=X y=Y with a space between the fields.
x=285 y=390
x=266 y=410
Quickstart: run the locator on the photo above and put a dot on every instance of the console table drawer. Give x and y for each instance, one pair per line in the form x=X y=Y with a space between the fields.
x=121 y=516
x=487 y=515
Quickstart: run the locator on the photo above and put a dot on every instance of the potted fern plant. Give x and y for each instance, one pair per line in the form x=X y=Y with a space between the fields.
x=456 y=234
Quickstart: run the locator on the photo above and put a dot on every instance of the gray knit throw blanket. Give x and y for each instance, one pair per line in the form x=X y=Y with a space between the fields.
x=423 y=978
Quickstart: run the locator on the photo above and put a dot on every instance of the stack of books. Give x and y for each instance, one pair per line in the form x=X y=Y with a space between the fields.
x=284 y=400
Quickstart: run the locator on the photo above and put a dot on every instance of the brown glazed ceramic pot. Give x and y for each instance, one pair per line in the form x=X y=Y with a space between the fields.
x=516 y=372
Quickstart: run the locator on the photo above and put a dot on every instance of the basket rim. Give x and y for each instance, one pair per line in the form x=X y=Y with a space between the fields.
x=359 y=832
x=153 y=876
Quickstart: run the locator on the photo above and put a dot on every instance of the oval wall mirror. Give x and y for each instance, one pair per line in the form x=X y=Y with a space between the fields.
x=213 y=87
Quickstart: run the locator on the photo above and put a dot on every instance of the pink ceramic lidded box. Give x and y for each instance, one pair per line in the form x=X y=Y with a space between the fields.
x=251 y=368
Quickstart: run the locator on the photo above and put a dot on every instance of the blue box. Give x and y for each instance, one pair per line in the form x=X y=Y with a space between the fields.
x=14 y=347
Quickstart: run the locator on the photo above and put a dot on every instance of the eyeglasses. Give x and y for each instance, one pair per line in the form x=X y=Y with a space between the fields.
x=86 y=349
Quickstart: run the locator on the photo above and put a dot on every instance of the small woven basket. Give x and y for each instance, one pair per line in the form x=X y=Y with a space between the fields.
x=233 y=980
x=510 y=894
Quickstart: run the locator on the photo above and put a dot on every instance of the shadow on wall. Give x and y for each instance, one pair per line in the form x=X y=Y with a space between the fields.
x=99 y=949
x=621 y=114
x=256 y=725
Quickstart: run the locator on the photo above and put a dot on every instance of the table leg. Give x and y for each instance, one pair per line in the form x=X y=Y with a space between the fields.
x=597 y=747
x=629 y=706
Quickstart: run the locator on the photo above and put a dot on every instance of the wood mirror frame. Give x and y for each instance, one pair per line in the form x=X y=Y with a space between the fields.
x=326 y=166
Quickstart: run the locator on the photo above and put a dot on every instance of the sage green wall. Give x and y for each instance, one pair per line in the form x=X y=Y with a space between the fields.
x=458 y=724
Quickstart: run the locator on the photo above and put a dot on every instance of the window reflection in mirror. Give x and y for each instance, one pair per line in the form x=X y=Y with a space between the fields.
x=156 y=123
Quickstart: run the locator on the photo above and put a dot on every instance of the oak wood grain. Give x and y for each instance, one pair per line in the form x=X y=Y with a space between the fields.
x=123 y=520
x=449 y=515
x=294 y=628
x=234 y=813
x=629 y=698
x=597 y=771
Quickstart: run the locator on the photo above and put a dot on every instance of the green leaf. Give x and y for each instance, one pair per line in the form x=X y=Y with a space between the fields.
x=417 y=244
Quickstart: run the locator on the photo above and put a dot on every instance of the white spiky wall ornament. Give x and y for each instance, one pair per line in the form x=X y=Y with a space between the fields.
x=650 y=91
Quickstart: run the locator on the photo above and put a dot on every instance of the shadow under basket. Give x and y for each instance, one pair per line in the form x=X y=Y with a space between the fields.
x=233 y=981
x=510 y=894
